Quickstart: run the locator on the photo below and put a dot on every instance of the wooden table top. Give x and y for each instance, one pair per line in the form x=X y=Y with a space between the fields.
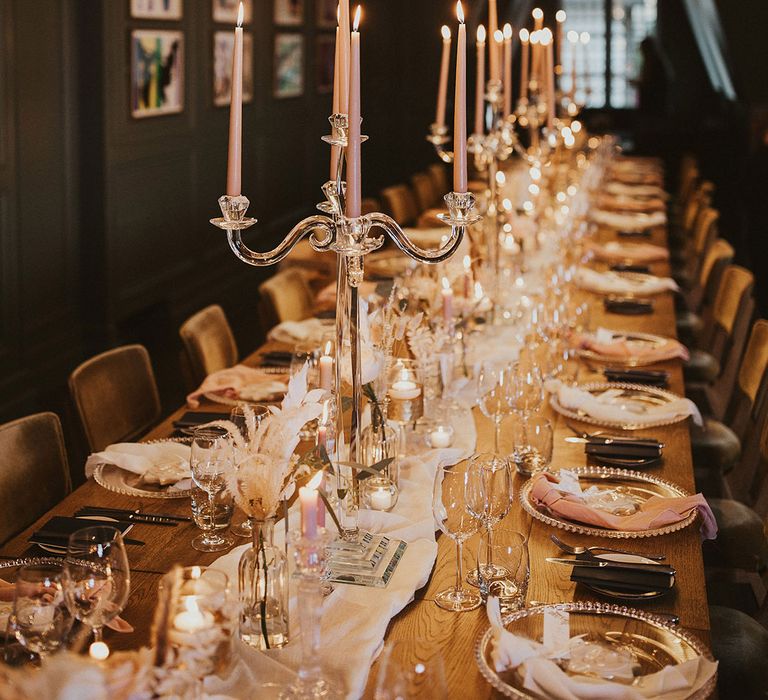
x=455 y=633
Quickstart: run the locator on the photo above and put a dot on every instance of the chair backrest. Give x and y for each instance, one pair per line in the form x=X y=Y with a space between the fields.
x=688 y=173
x=115 y=394
x=704 y=232
x=34 y=474
x=285 y=297
x=369 y=205
x=400 y=204
x=700 y=198
x=735 y=289
x=439 y=176
x=702 y=297
x=424 y=189
x=208 y=342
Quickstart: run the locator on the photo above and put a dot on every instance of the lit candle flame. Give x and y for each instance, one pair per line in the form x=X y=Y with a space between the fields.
x=196 y=572
x=314 y=482
x=358 y=15
x=508 y=31
x=478 y=290
x=467 y=263
x=498 y=36
x=460 y=12
x=584 y=38
x=446 y=284
x=524 y=35
x=98 y=651
x=327 y=349
x=573 y=36
x=560 y=16
x=446 y=32
x=481 y=34
x=546 y=36
x=240 y=15
x=537 y=13
x=535 y=36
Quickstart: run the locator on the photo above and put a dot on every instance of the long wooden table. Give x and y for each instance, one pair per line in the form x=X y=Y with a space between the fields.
x=455 y=633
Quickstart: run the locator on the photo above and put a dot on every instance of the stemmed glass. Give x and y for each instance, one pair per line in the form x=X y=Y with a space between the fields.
x=449 y=507
x=40 y=620
x=410 y=670
x=211 y=458
x=96 y=576
x=489 y=496
x=494 y=395
x=527 y=391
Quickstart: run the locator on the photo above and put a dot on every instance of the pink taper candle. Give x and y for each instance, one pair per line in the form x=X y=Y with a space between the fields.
x=320 y=503
x=354 y=177
x=524 y=51
x=493 y=26
x=460 y=108
x=507 y=69
x=235 y=151
x=309 y=498
x=336 y=102
x=480 y=87
x=442 y=90
x=344 y=56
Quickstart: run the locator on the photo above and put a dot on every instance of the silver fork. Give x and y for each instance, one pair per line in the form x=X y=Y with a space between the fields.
x=570 y=549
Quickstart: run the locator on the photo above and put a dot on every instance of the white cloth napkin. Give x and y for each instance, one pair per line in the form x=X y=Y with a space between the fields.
x=307 y=331
x=628 y=222
x=600 y=407
x=158 y=463
x=545 y=678
x=614 y=283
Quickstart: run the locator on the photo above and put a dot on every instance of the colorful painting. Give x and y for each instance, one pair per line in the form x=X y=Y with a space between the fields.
x=156 y=9
x=157 y=72
x=223 y=46
x=326 y=13
x=225 y=11
x=326 y=55
x=289 y=12
x=289 y=65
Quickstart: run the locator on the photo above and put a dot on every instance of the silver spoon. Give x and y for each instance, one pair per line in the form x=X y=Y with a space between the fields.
x=570 y=549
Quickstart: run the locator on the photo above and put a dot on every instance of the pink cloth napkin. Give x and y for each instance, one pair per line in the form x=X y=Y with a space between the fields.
x=634 y=252
x=655 y=513
x=230 y=381
x=621 y=349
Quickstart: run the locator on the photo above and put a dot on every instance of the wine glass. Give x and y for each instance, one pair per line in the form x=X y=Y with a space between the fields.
x=528 y=387
x=409 y=670
x=494 y=394
x=449 y=507
x=40 y=620
x=210 y=460
x=247 y=417
x=489 y=495
x=96 y=577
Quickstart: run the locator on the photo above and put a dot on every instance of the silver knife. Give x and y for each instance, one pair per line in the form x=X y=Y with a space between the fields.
x=605 y=564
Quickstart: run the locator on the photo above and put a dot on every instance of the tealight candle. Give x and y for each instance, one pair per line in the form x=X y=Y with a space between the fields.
x=441 y=436
x=381 y=499
x=192 y=619
x=404 y=390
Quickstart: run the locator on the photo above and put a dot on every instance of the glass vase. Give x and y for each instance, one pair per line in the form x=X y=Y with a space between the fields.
x=381 y=442
x=263 y=586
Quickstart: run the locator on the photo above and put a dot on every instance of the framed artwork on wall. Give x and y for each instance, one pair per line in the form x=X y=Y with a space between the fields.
x=225 y=11
x=324 y=59
x=223 y=47
x=326 y=13
x=289 y=12
x=289 y=65
x=157 y=72
x=156 y=9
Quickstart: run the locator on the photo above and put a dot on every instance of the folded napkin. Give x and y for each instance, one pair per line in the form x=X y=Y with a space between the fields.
x=615 y=283
x=542 y=676
x=615 y=251
x=157 y=463
x=308 y=330
x=604 y=407
x=656 y=512
x=636 y=190
x=630 y=222
x=239 y=382
x=607 y=344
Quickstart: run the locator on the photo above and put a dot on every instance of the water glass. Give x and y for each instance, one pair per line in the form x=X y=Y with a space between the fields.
x=411 y=670
x=40 y=620
x=533 y=441
x=510 y=551
x=211 y=459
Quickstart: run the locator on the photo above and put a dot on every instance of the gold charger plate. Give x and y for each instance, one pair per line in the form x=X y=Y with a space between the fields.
x=646 y=340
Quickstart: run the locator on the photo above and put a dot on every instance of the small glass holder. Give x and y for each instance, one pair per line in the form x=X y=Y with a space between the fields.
x=379 y=493
x=406 y=393
x=440 y=436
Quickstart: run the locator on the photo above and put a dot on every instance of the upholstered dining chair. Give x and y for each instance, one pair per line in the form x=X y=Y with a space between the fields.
x=439 y=175
x=703 y=235
x=317 y=267
x=209 y=344
x=115 y=394
x=424 y=189
x=369 y=205
x=400 y=204
x=285 y=297
x=34 y=474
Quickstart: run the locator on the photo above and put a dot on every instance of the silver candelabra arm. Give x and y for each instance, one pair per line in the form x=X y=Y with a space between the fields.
x=438 y=137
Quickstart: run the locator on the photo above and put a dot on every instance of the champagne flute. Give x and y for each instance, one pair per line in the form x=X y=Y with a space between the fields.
x=449 y=507
x=494 y=394
x=96 y=577
x=210 y=459
x=489 y=496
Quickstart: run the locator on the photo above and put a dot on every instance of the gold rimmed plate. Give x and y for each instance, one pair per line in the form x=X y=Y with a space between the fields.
x=643 y=342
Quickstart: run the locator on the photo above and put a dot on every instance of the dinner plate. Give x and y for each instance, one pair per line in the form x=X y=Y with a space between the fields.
x=637 y=285
x=237 y=400
x=652 y=641
x=644 y=341
x=635 y=484
x=112 y=478
x=625 y=595
x=639 y=396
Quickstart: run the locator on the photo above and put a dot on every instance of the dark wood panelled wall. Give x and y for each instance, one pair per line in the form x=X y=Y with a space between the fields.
x=103 y=218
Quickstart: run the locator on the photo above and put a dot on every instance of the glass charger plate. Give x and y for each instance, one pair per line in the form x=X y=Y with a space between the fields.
x=639 y=485
x=639 y=396
x=647 y=341
x=653 y=641
x=112 y=478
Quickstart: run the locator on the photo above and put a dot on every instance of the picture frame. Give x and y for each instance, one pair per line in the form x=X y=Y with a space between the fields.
x=157 y=9
x=157 y=72
x=325 y=56
x=289 y=13
x=225 y=11
x=223 y=49
x=289 y=65
x=326 y=14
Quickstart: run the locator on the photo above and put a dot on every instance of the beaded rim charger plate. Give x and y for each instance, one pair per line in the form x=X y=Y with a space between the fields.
x=639 y=396
x=646 y=341
x=635 y=484
x=651 y=640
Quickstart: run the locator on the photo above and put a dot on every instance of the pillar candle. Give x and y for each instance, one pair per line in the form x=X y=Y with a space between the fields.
x=354 y=176
x=524 y=51
x=442 y=91
x=507 y=70
x=493 y=25
x=235 y=151
x=480 y=87
x=326 y=372
x=460 y=108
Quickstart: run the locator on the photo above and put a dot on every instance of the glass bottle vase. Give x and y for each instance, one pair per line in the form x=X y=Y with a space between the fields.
x=263 y=590
x=381 y=441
